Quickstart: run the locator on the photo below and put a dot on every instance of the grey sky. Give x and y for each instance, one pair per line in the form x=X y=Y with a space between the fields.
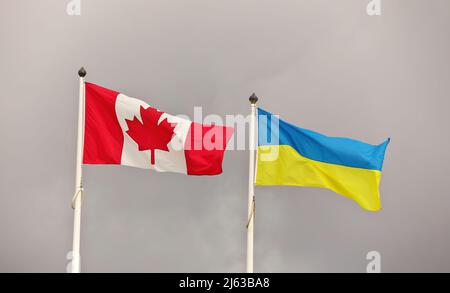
x=323 y=65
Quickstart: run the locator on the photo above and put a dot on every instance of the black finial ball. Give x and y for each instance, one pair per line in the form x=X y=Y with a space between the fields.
x=253 y=99
x=82 y=72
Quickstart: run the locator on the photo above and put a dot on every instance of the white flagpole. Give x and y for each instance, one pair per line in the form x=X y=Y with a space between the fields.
x=251 y=184
x=77 y=199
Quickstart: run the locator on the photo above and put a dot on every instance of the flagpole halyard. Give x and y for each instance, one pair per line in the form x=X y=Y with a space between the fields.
x=251 y=184
x=77 y=199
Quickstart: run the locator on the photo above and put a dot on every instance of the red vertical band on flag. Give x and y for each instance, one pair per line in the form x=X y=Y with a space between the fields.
x=103 y=137
x=204 y=148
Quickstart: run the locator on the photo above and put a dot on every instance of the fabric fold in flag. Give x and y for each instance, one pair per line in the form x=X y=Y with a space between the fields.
x=290 y=155
x=126 y=131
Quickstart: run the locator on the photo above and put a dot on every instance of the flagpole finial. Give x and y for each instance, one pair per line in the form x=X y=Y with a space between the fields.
x=253 y=99
x=82 y=72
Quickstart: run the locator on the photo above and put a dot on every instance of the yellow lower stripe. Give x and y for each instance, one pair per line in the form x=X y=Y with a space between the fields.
x=282 y=165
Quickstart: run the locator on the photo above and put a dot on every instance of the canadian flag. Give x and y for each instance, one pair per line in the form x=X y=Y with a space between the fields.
x=127 y=131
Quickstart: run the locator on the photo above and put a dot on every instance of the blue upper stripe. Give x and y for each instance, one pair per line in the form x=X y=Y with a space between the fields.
x=318 y=147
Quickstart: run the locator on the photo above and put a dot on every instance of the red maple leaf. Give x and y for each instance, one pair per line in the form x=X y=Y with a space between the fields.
x=149 y=135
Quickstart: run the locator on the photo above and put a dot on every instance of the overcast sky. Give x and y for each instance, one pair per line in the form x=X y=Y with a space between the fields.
x=320 y=64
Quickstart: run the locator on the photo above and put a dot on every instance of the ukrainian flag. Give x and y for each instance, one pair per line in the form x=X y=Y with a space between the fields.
x=290 y=155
